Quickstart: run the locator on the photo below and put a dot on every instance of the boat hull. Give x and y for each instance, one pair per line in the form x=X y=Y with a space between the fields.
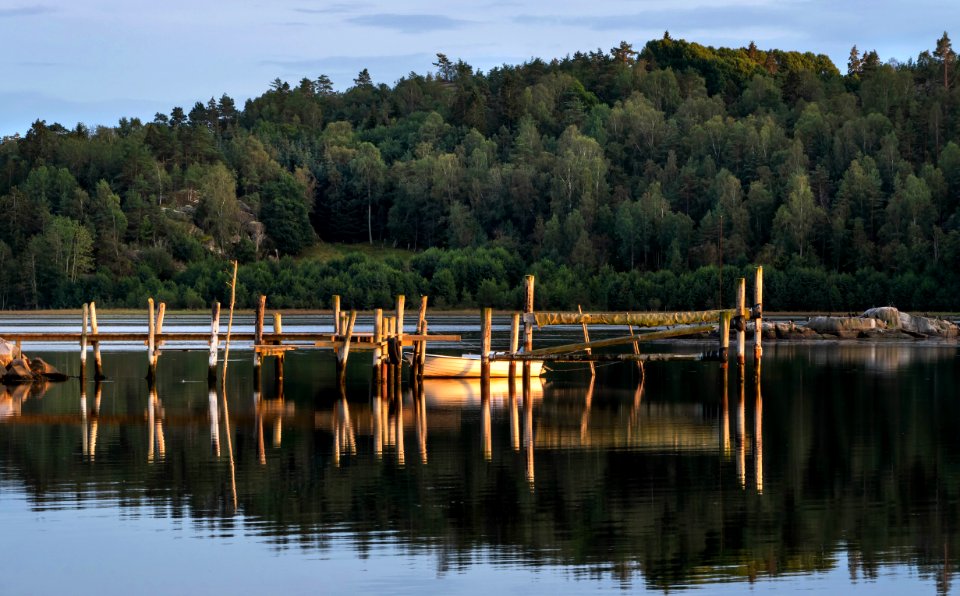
x=440 y=366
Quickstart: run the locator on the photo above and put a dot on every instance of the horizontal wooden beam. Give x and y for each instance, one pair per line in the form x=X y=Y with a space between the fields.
x=640 y=319
x=584 y=357
x=627 y=339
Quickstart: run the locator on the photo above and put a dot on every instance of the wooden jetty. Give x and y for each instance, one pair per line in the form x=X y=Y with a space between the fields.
x=675 y=324
x=385 y=343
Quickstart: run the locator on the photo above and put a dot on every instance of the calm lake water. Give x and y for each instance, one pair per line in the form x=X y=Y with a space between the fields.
x=839 y=470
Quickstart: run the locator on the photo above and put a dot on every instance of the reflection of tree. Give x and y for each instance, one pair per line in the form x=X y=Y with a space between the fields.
x=836 y=473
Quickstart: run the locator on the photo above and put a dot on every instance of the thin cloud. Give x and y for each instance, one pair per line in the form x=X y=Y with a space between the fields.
x=339 y=8
x=409 y=23
x=25 y=11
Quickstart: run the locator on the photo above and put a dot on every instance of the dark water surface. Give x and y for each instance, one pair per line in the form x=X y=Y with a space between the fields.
x=840 y=470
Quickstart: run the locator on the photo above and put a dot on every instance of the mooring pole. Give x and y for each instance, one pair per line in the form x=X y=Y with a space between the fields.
x=741 y=321
x=514 y=346
x=278 y=363
x=528 y=310
x=377 y=345
x=151 y=342
x=83 y=344
x=336 y=315
x=214 y=345
x=758 y=316
x=486 y=318
x=724 y=337
x=258 y=336
x=97 y=361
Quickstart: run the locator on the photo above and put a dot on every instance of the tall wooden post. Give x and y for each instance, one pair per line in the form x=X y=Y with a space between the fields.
x=278 y=363
x=158 y=333
x=528 y=310
x=83 y=343
x=151 y=342
x=486 y=318
x=214 y=347
x=336 y=316
x=741 y=320
x=586 y=339
x=758 y=321
x=514 y=345
x=97 y=361
x=420 y=350
x=377 y=344
x=344 y=351
x=258 y=331
x=398 y=370
x=724 y=337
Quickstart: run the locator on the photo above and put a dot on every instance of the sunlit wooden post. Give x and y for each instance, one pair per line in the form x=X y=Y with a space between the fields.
x=344 y=351
x=586 y=339
x=724 y=337
x=95 y=328
x=278 y=363
x=258 y=336
x=421 y=348
x=151 y=342
x=741 y=320
x=514 y=346
x=336 y=315
x=486 y=318
x=758 y=323
x=214 y=348
x=528 y=311
x=83 y=343
x=377 y=344
x=398 y=370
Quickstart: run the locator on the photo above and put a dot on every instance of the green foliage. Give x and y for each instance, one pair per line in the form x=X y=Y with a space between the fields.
x=624 y=177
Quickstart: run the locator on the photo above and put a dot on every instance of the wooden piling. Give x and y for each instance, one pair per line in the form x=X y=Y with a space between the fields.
x=724 y=337
x=758 y=315
x=514 y=344
x=83 y=342
x=378 y=344
x=486 y=318
x=97 y=361
x=344 y=350
x=401 y=301
x=528 y=309
x=336 y=316
x=158 y=331
x=586 y=338
x=419 y=352
x=278 y=362
x=741 y=320
x=214 y=345
x=151 y=342
x=258 y=333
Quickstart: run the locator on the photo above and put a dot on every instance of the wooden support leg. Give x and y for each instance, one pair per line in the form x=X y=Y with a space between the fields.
x=95 y=328
x=214 y=344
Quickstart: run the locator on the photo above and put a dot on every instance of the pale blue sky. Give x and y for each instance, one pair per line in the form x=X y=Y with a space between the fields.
x=94 y=61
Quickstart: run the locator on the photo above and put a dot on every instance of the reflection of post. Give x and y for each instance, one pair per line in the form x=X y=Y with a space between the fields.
x=485 y=421
x=83 y=343
x=421 y=405
x=528 y=422
x=214 y=419
x=725 y=417
x=635 y=409
x=157 y=446
x=377 y=423
x=514 y=414
x=741 y=435
x=585 y=417
x=758 y=436
x=84 y=427
x=399 y=430
x=277 y=430
x=95 y=419
x=258 y=409
x=586 y=339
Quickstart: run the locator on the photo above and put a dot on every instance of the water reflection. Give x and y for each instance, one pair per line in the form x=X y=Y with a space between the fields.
x=663 y=478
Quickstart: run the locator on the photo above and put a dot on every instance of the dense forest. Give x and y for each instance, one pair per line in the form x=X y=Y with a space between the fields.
x=634 y=178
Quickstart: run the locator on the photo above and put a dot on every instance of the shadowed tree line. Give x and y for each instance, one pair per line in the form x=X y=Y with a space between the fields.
x=618 y=172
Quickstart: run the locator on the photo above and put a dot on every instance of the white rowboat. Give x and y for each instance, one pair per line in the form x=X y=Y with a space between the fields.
x=468 y=365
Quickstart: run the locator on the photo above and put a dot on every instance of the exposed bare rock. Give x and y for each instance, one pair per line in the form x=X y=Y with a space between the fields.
x=843 y=326
x=18 y=371
x=916 y=326
x=45 y=370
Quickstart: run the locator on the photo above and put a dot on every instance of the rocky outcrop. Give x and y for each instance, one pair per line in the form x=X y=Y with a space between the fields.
x=17 y=368
x=913 y=325
x=842 y=325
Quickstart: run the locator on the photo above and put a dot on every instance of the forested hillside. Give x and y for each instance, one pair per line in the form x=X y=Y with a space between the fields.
x=621 y=178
